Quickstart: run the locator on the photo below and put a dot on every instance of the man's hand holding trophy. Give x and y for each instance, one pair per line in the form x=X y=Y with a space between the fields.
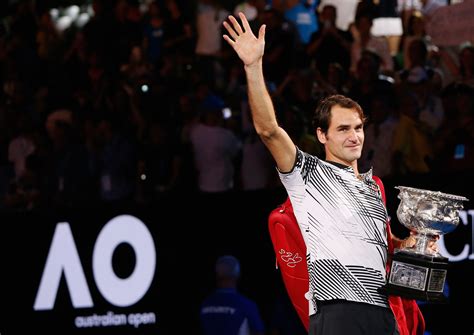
x=417 y=269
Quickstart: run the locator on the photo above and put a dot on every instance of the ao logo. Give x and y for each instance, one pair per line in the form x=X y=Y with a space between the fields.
x=63 y=257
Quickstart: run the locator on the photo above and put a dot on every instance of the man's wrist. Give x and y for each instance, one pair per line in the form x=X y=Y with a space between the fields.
x=254 y=66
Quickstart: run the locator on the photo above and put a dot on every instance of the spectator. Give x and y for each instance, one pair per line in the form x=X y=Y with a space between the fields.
x=454 y=143
x=210 y=15
x=364 y=40
x=412 y=153
x=281 y=45
x=379 y=136
x=153 y=33
x=429 y=7
x=115 y=162
x=303 y=16
x=214 y=148
x=330 y=44
x=226 y=311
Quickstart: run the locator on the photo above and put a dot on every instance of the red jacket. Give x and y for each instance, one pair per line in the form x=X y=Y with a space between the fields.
x=290 y=250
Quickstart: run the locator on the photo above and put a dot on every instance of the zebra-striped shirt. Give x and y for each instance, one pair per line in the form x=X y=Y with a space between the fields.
x=343 y=222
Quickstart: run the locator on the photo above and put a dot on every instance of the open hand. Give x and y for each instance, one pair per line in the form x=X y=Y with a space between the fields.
x=248 y=47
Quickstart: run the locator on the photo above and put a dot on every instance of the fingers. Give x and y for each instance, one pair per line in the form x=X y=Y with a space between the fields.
x=236 y=25
x=261 y=32
x=229 y=40
x=245 y=22
x=231 y=31
x=409 y=242
x=235 y=30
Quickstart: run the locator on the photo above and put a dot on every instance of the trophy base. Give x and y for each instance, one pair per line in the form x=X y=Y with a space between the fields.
x=417 y=276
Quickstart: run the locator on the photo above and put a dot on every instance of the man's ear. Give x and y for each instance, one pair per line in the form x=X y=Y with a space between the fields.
x=321 y=135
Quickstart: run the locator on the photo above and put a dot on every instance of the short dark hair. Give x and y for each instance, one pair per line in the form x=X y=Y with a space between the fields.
x=227 y=267
x=322 y=114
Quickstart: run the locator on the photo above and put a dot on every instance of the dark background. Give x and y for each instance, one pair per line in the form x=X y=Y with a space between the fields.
x=189 y=233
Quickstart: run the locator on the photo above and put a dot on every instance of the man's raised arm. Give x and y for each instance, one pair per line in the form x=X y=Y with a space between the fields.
x=250 y=50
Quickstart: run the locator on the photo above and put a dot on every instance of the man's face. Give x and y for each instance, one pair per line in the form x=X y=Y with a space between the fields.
x=345 y=136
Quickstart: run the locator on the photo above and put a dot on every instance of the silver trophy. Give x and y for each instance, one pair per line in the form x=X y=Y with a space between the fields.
x=418 y=272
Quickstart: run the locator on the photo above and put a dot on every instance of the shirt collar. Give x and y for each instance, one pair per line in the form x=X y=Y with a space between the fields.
x=364 y=176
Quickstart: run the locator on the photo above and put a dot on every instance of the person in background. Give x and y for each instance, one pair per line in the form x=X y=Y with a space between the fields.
x=364 y=39
x=330 y=44
x=215 y=149
x=379 y=136
x=226 y=311
x=303 y=16
x=429 y=7
x=209 y=17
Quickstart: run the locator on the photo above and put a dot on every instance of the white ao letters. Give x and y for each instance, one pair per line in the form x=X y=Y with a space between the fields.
x=63 y=257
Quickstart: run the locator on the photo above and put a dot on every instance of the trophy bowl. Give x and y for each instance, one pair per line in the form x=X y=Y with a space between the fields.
x=429 y=214
x=418 y=272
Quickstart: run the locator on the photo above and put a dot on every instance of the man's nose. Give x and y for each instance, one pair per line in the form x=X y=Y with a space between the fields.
x=353 y=135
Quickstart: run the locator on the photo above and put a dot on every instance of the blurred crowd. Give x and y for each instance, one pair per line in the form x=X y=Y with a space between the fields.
x=139 y=104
